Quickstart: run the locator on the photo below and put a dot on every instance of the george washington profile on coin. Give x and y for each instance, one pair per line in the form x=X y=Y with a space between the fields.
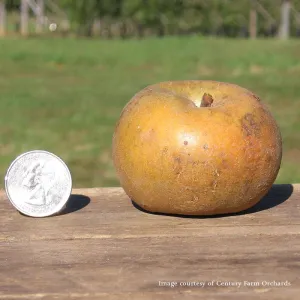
x=38 y=180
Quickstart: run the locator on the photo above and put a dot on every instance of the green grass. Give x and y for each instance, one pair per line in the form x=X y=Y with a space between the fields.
x=65 y=96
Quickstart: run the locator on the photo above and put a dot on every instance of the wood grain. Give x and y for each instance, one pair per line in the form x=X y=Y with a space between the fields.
x=105 y=247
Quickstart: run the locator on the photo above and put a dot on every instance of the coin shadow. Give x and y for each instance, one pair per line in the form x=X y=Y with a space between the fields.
x=278 y=194
x=75 y=203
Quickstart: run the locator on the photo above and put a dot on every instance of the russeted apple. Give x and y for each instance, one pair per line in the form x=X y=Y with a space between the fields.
x=196 y=148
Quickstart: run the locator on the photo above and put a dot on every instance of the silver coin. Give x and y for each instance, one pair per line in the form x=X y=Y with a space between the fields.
x=38 y=183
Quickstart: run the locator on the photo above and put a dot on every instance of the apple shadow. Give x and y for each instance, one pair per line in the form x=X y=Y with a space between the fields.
x=278 y=194
x=75 y=202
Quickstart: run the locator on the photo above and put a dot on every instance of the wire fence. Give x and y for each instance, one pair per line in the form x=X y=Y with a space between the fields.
x=141 y=18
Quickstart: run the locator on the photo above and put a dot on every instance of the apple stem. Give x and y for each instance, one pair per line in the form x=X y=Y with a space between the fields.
x=207 y=100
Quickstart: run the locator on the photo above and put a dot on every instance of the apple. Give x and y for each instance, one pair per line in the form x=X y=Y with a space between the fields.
x=196 y=148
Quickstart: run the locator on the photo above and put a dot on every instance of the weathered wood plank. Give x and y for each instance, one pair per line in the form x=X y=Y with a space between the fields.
x=103 y=247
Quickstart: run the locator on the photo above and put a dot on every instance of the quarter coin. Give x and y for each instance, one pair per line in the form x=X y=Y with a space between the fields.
x=38 y=183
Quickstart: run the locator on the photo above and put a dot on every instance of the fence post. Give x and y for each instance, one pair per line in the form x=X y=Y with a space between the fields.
x=284 y=31
x=2 y=18
x=253 y=21
x=40 y=16
x=24 y=17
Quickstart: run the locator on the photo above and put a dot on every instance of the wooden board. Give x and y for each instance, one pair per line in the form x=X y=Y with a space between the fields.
x=104 y=247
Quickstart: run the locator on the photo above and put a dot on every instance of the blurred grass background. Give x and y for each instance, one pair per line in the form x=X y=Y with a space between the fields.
x=65 y=95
